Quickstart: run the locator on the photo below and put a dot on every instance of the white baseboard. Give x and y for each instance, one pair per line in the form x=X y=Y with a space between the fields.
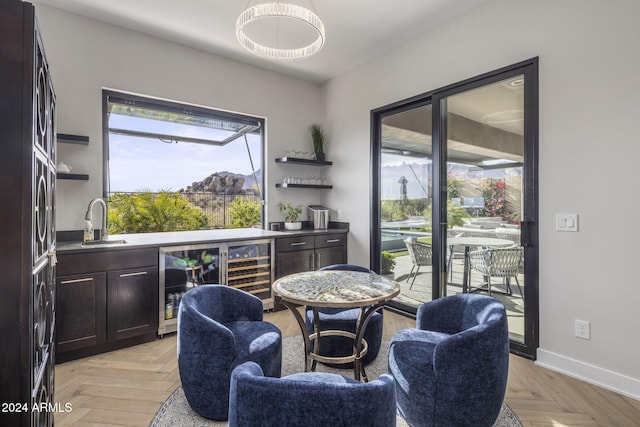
x=592 y=374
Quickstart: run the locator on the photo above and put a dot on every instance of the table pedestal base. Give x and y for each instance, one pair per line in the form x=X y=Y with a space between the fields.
x=360 y=345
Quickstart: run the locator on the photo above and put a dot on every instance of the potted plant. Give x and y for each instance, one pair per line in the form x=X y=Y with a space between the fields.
x=388 y=263
x=317 y=135
x=291 y=214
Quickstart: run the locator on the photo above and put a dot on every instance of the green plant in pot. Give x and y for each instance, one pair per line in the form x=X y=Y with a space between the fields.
x=318 y=138
x=291 y=214
x=388 y=262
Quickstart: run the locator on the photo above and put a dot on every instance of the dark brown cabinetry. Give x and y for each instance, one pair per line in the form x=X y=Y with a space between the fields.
x=106 y=300
x=27 y=220
x=81 y=311
x=132 y=297
x=307 y=253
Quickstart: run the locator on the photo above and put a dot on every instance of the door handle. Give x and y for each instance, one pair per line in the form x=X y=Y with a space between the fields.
x=525 y=236
x=138 y=273
x=85 y=279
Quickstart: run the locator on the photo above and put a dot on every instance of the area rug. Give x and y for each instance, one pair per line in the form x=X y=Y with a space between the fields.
x=177 y=412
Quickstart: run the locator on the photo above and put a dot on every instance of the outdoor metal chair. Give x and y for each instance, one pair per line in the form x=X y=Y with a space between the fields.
x=498 y=262
x=421 y=255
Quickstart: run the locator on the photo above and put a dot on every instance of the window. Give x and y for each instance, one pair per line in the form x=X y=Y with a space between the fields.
x=170 y=166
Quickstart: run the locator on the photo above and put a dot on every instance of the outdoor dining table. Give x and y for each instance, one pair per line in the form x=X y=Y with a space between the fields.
x=334 y=289
x=468 y=243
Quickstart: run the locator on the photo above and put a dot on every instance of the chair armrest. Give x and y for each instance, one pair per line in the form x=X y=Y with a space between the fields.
x=473 y=351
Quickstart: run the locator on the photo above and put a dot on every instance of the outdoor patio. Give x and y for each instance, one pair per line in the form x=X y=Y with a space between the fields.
x=420 y=292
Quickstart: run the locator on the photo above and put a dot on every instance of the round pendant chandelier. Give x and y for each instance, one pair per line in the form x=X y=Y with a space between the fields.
x=274 y=11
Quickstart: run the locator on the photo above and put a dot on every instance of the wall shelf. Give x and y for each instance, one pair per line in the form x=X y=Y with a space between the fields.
x=72 y=139
x=297 y=161
x=73 y=176
x=303 y=186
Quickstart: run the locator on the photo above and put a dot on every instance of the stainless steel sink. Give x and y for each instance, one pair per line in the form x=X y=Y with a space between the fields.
x=104 y=242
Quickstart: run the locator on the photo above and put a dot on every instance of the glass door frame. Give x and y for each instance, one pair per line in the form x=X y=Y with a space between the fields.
x=529 y=224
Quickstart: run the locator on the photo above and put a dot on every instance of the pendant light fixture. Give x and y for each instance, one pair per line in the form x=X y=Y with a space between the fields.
x=277 y=11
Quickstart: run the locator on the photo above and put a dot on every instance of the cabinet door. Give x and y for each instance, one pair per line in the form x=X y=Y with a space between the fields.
x=81 y=311
x=330 y=249
x=132 y=302
x=330 y=256
x=294 y=262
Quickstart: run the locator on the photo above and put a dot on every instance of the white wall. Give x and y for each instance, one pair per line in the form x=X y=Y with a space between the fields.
x=86 y=56
x=589 y=131
x=588 y=128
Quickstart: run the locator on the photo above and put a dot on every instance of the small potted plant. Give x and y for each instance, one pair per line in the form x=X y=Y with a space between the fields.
x=291 y=214
x=317 y=136
x=388 y=262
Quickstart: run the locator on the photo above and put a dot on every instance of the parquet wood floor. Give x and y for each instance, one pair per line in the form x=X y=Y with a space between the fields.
x=127 y=387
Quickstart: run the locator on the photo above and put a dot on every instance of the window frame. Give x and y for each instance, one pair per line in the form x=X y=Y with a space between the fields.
x=109 y=95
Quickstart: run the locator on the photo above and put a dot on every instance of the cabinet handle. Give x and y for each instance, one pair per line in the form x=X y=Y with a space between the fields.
x=332 y=240
x=297 y=244
x=138 y=273
x=85 y=279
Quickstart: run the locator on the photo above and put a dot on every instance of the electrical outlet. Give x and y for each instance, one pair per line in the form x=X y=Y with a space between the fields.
x=583 y=329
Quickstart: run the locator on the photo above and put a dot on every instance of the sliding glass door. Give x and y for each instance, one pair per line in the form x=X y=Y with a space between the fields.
x=455 y=195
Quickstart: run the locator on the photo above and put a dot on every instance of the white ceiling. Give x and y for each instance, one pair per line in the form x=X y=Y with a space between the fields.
x=356 y=30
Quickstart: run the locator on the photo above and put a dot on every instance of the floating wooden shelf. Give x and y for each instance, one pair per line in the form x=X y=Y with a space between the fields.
x=73 y=176
x=303 y=186
x=297 y=161
x=72 y=139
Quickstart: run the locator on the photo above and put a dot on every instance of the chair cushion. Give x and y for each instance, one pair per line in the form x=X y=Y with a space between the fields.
x=259 y=342
x=345 y=320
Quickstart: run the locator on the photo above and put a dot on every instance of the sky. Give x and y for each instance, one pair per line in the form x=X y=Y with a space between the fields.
x=150 y=164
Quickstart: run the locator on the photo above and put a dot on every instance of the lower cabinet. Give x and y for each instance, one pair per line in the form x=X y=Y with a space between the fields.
x=132 y=297
x=103 y=310
x=308 y=253
x=81 y=311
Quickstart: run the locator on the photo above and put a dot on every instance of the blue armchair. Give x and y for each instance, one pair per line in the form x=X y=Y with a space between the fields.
x=345 y=320
x=309 y=399
x=220 y=327
x=451 y=370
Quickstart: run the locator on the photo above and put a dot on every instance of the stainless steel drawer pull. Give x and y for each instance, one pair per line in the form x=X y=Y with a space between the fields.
x=85 y=279
x=332 y=240
x=138 y=273
x=297 y=244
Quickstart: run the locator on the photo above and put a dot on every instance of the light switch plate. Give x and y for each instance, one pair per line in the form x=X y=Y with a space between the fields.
x=566 y=222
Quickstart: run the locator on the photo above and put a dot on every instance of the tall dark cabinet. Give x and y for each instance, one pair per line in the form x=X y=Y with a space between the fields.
x=27 y=221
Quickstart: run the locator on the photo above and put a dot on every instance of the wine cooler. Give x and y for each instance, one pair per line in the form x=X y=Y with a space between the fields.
x=246 y=265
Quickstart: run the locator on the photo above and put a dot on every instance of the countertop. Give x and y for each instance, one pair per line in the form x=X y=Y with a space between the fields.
x=142 y=240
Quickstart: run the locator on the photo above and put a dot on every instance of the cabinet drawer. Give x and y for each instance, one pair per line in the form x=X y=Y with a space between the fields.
x=89 y=262
x=300 y=243
x=330 y=240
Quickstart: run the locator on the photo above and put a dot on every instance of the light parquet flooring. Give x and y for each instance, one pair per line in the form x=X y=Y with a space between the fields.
x=127 y=387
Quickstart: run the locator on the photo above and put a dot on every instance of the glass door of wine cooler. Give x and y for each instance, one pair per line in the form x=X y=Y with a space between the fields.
x=181 y=268
x=249 y=267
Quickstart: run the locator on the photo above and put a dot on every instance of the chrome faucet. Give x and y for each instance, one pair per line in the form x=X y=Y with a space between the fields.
x=104 y=234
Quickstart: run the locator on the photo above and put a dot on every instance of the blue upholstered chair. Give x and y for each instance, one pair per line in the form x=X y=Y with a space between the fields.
x=345 y=320
x=309 y=399
x=451 y=370
x=220 y=327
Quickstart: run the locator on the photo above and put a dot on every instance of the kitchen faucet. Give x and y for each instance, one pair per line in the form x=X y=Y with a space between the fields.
x=104 y=234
